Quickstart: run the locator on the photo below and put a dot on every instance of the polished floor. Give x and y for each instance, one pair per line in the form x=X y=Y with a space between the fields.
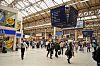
x=37 y=57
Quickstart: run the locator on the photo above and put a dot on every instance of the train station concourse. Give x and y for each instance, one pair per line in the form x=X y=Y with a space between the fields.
x=49 y=32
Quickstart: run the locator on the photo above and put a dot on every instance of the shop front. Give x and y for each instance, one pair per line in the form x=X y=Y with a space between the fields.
x=9 y=37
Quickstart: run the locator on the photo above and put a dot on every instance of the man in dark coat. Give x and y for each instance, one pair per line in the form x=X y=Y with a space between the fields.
x=69 y=52
x=50 y=48
x=57 y=47
x=98 y=56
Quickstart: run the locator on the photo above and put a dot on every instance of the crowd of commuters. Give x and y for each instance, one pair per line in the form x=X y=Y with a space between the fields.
x=57 y=47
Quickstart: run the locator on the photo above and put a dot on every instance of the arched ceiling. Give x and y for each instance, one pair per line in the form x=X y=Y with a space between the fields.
x=37 y=12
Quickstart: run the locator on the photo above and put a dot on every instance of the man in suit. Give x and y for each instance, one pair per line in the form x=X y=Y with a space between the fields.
x=50 y=48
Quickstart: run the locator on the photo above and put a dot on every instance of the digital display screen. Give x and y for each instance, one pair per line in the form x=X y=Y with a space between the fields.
x=87 y=33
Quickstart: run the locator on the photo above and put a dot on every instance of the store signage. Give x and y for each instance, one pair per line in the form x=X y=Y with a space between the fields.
x=10 y=32
x=87 y=33
x=1 y=31
x=18 y=34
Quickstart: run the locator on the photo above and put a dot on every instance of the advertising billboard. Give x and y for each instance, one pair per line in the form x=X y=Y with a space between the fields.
x=2 y=17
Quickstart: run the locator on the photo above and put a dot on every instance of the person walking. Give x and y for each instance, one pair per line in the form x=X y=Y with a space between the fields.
x=94 y=46
x=50 y=48
x=76 y=46
x=88 y=47
x=62 y=46
x=96 y=55
x=68 y=52
x=23 y=44
x=57 y=47
x=4 y=46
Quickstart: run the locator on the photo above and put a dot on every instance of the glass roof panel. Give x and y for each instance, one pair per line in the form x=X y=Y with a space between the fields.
x=28 y=10
x=21 y=14
x=37 y=7
x=32 y=1
x=9 y=1
x=24 y=12
x=58 y=1
x=65 y=0
x=43 y=5
x=26 y=3
x=49 y=3
x=18 y=6
x=21 y=4
x=4 y=3
x=32 y=9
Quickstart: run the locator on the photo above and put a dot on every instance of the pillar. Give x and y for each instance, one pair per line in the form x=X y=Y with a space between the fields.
x=54 y=35
x=76 y=35
x=45 y=34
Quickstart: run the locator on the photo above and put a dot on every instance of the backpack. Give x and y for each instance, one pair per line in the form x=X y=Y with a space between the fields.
x=94 y=55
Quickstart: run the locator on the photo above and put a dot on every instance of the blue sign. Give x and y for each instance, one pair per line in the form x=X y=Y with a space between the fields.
x=59 y=33
x=58 y=17
x=87 y=33
x=10 y=32
x=18 y=34
x=1 y=31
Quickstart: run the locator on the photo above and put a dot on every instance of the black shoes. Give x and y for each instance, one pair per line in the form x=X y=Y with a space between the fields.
x=50 y=57
x=68 y=61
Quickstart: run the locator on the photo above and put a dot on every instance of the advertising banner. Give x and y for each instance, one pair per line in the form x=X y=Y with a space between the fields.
x=1 y=16
x=10 y=19
x=18 y=27
x=9 y=42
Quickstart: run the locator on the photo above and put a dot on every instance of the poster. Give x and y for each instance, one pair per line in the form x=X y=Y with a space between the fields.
x=18 y=27
x=9 y=43
x=10 y=20
x=1 y=16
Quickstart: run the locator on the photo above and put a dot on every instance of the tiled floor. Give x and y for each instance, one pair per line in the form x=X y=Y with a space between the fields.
x=37 y=57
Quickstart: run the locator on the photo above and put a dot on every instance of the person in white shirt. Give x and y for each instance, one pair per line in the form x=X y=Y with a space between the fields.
x=62 y=46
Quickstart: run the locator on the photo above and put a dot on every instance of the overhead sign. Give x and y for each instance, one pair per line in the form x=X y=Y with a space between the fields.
x=64 y=17
x=87 y=33
x=58 y=17
x=72 y=19
x=80 y=24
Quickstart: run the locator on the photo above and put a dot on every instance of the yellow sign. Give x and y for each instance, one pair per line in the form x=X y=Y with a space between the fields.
x=9 y=43
x=18 y=26
x=10 y=21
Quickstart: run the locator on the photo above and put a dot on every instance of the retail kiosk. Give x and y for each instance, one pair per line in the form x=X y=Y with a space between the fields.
x=8 y=27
